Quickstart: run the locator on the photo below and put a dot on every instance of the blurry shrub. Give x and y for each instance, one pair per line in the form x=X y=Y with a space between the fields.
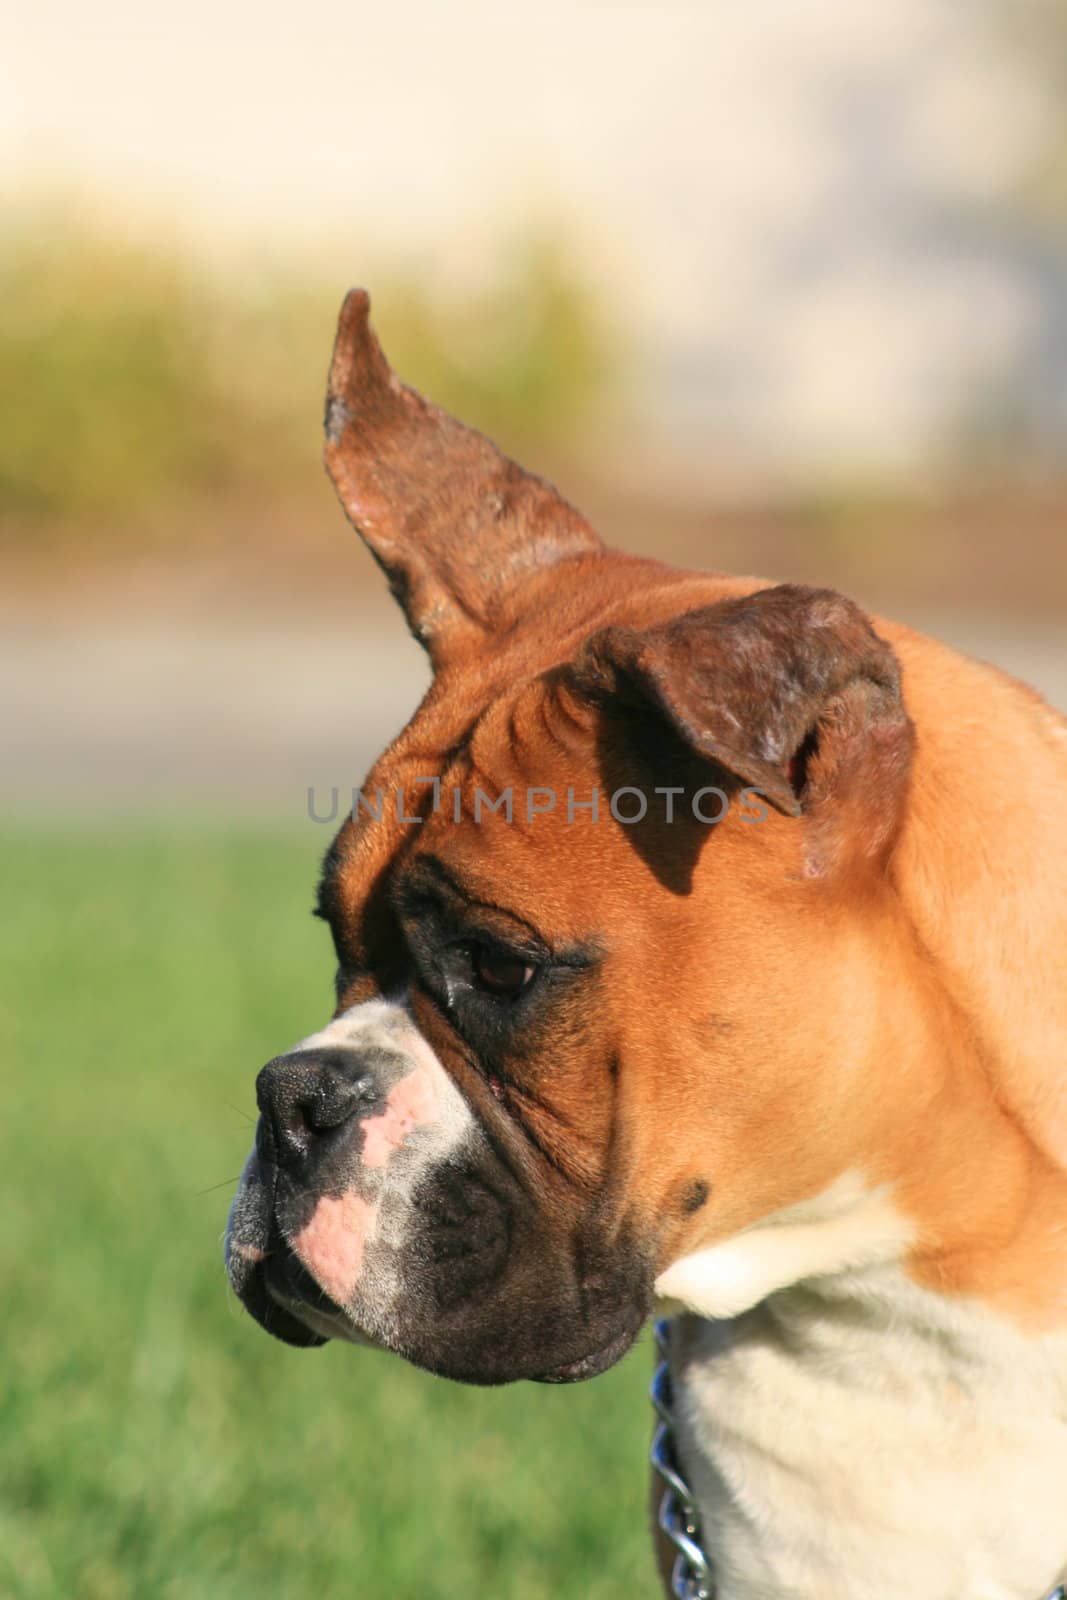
x=137 y=377
x=114 y=393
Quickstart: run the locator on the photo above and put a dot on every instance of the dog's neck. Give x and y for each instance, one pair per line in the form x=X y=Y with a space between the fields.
x=872 y=1396
x=858 y=1437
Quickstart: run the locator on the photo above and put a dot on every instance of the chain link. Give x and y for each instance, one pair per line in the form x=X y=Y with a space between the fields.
x=693 y=1577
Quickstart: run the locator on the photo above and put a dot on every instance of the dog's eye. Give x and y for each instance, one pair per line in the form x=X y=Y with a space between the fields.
x=500 y=973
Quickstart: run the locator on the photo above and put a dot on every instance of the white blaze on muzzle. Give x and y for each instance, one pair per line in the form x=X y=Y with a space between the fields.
x=423 y=1121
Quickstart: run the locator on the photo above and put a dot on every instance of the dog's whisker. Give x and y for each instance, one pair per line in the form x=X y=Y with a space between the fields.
x=242 y=1114
x=225 y=1184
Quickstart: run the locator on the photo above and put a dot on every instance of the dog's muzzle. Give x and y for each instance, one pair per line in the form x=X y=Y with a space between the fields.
x=350 y=1122
x=378 y=1208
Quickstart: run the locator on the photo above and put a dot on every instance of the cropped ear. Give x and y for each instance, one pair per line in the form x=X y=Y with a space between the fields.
x=457 y=527
x=789 y=689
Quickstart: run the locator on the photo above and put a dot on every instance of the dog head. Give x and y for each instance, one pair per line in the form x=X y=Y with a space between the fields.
x=579 y=914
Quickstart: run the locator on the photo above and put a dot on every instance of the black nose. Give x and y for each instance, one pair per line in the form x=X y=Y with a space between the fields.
x=310 y=1093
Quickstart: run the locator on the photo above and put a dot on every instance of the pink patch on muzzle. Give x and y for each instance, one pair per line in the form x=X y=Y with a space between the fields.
x=331 y=1246
x=411 y=1104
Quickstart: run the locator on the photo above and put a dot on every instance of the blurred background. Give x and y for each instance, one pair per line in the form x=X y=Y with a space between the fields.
x=772 y=288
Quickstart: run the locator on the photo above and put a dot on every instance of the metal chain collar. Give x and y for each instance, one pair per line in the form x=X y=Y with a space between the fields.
x=693 y=1575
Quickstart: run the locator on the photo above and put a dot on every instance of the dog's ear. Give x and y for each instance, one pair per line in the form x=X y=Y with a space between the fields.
x=458 y=528
x=789 y=689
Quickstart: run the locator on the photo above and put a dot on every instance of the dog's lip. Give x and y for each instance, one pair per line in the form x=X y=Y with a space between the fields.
x=325 y=1321
x=593 y=1364
x=274 y=1315
x=255 y=1260
x=301 y=1298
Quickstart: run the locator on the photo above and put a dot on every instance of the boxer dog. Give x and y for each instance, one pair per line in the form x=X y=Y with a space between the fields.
x=700 y=940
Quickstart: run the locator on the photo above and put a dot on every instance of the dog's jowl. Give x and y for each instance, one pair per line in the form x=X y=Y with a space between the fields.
x=706 y=944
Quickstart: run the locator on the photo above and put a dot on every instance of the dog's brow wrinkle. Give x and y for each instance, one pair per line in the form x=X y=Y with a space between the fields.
x=433 y=866
x=564 y=710
x=480 y=778
x=516 y=741
x=544 y=711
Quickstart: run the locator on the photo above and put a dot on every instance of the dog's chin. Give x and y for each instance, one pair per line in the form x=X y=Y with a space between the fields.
x=297 y=1322
x=288 y=1302
x=492 y=1367
x=308 y=1323
x=590 y=1366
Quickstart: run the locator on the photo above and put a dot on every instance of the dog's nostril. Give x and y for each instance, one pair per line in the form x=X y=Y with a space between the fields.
x=332 y=1105
x=309 y=1094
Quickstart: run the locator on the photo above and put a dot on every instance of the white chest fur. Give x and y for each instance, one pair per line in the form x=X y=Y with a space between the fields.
x=851 y=1436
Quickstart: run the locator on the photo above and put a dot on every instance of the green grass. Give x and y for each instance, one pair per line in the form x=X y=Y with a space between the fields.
x=153 y=1442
